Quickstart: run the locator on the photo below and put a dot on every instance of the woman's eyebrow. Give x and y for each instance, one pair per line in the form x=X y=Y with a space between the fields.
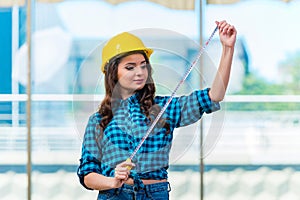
x=131 y=63
x=134 y=63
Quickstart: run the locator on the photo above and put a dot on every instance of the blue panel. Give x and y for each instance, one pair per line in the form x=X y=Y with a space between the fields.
x=5 y=60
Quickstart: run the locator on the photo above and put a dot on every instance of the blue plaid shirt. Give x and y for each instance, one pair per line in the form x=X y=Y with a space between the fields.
x=127 y=128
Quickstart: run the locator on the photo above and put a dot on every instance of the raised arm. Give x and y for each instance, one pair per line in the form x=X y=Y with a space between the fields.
x=227 y=34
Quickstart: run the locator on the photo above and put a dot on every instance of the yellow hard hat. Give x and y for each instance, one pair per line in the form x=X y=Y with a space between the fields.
x=122 y=43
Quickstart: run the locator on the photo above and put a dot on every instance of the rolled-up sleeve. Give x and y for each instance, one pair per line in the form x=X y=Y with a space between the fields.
x=206 y=103
x=90 y=155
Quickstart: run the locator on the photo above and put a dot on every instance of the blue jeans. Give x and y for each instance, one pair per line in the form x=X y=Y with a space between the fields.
x=156 y=191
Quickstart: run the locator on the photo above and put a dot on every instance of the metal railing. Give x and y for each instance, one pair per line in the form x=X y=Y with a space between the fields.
x=92 y=97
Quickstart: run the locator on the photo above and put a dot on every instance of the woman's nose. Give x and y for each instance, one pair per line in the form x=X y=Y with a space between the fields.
x=139 y=70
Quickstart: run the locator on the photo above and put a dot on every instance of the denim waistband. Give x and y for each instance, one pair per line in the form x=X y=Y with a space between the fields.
x=156 y=187
x=134 y=192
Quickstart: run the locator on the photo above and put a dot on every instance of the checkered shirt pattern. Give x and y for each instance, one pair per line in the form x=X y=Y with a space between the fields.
x=127 y=128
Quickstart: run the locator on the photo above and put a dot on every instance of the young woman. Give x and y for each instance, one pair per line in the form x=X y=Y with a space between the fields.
x=126 y=112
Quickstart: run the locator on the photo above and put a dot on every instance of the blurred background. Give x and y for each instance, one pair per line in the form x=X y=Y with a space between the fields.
x=248 y=150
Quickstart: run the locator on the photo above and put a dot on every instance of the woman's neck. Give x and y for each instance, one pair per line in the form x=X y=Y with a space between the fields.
x=126 y=95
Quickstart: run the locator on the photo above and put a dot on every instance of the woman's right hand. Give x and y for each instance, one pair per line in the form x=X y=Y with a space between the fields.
x=122 y=172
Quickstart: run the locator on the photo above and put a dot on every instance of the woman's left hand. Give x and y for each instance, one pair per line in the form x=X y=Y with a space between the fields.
x=227 y=33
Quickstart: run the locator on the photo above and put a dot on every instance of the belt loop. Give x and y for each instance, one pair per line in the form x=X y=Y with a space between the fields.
x=135 y=191
x=169 y=187
x=147 y=191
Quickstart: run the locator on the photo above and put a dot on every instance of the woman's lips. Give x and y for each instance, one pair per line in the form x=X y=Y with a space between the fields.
x=139 y=81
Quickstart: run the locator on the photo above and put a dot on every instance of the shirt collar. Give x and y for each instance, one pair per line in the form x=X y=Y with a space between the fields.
x=125 y=102
x=133 y=99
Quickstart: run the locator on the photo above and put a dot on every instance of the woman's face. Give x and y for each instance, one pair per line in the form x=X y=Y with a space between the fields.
x=132 y=74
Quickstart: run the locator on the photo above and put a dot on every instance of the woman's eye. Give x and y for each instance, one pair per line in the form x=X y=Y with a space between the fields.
x=129 y=67
x=143 y=66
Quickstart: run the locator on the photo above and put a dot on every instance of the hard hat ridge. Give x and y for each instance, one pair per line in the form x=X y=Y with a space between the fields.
x=122 y=43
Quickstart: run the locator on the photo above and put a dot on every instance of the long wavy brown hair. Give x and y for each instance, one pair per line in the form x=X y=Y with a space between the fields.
x=145 y=97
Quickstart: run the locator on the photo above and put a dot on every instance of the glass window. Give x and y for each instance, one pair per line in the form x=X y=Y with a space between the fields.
x=67 y=85
x=256 y=156
x=248 y=150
